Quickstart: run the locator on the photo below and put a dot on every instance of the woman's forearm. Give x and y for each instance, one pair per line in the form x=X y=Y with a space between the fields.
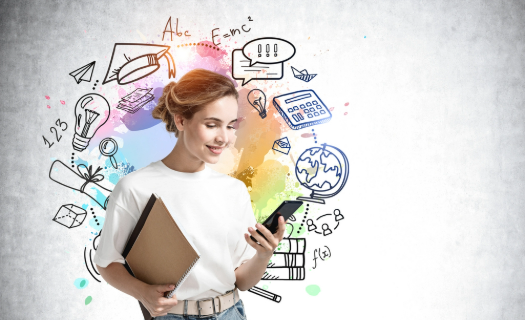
x=117 y=276
x=249 y=273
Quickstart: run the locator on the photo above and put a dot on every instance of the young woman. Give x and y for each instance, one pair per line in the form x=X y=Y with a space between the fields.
x=213 y=208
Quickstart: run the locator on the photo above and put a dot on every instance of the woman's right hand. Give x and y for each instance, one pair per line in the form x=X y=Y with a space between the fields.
x=152 y=297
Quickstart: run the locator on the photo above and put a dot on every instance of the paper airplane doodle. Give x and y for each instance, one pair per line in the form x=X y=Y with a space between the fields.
x=133 y=61
x=282 y=145
x=135 y=100
x=303 y=75
x=83 y=73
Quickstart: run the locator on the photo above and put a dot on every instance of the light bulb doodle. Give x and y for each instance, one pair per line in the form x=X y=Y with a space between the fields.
x=108 y=147
x=324 y=171
x=257 y=99
x=91 y=112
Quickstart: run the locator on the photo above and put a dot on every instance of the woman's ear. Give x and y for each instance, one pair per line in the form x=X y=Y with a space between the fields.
x=179 y=122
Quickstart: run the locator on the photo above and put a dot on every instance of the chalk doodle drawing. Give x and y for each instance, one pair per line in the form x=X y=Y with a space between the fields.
x=261 y=59
x=135 y=100
x=301 y=109
x=265 y=294
x=54 y=130
x=91 y=113
x=257 y=99
x=303 y=75
x=84 y=181
x=287 y=262
x=108 y=147
x=283 y=146
x=327 y=221
x=89 y=255
x=324 y=171
x=70 y=216
x=83 y=73
x=133 y=61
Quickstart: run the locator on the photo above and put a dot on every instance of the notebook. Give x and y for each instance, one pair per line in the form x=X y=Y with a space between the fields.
x=158 y=250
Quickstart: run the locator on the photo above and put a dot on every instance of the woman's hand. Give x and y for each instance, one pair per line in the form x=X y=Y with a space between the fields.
x=267 y=246
x=152 y=297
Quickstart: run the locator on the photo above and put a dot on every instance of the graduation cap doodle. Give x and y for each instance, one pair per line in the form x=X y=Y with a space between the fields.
x=303 y=75
x=83 y=73
x=133 y=61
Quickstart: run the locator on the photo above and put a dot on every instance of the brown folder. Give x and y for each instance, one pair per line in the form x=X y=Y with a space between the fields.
x=157 y=251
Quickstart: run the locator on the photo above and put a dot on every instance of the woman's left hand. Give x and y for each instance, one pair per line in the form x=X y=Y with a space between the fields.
x=266 y=247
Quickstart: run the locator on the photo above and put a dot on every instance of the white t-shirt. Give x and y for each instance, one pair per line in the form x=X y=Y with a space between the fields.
x=214 y=209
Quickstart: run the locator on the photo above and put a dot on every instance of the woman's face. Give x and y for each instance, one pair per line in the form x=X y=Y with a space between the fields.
x=210 y=130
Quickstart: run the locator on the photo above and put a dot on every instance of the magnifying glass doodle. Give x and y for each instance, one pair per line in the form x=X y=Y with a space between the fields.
x=109 y=147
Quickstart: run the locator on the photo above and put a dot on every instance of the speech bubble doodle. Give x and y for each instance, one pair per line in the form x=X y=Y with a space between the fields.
x=268 y=51
x=242 y=70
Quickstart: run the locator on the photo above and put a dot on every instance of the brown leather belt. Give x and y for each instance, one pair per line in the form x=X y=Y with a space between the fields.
x=207 y=306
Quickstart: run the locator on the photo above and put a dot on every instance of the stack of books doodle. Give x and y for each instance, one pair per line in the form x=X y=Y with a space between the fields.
x=287 y=262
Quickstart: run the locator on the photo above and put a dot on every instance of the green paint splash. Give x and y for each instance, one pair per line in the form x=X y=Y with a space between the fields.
x=313 y=290
x=88 y=300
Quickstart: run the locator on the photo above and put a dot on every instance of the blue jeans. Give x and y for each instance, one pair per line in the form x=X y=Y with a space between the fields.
x=236 y=312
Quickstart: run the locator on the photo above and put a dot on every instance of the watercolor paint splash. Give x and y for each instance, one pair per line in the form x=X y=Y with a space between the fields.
x=81 y=283
x=313 y=290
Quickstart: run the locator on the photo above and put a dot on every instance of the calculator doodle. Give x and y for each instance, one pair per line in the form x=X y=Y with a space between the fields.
x=302 y=109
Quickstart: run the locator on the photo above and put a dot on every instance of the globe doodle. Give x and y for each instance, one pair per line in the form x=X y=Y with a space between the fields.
x=324 y=171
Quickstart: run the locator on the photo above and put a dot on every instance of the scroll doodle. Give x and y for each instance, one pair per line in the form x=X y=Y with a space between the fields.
x=84 y=181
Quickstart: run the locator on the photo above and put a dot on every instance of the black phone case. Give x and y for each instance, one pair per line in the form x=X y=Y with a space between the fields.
x=276 y=212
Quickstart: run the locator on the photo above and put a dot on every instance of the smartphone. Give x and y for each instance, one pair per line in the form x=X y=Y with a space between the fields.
x=286 y=209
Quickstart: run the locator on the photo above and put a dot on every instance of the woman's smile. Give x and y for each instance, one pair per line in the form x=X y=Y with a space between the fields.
x=215 y=150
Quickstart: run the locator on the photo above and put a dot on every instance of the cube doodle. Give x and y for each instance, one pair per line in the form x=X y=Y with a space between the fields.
x=70 y=216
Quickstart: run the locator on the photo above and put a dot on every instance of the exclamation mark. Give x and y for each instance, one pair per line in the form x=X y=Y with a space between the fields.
x=275 y=50
x=267 y=50
x=260 y=49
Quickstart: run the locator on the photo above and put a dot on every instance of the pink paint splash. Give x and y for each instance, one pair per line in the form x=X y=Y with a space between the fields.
x=48 y=106
x=346 y=113
x=346 y=104
x=47 y=97
x=62 y=102
x=307 y=135
x=332 y=109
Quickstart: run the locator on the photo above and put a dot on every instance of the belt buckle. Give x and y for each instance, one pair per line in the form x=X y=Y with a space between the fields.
x=199 y=305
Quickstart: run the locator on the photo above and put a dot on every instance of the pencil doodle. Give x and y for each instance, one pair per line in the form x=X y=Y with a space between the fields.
x=265 y=294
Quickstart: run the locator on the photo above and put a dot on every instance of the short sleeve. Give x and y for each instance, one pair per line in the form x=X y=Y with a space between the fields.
x=243 y=251
x=118 y=225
